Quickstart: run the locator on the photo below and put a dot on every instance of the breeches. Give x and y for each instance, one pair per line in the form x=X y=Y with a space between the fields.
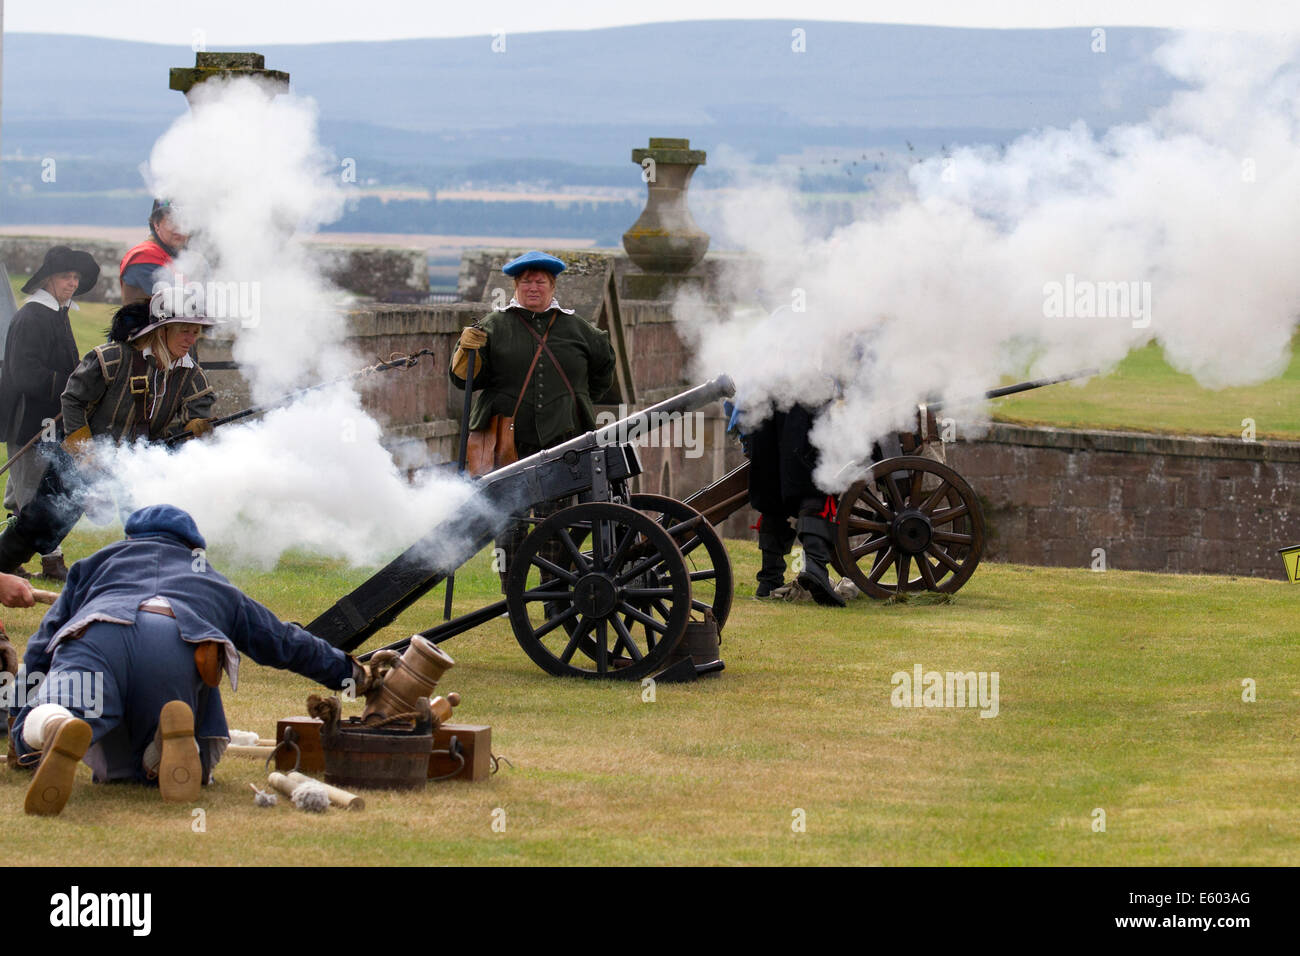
x=117 y=677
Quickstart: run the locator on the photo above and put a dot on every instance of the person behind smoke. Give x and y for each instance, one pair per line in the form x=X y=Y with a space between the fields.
x=158 y=629
x=782 y=461
x=574 y=371
x=142 y=385
x=40 y=353
x=149 y=261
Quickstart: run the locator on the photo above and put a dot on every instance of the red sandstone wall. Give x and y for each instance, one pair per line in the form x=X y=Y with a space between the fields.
x=1153 y=503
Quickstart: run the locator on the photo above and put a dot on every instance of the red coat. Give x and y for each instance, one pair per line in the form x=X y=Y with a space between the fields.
x=145 y=253
x=148 y=254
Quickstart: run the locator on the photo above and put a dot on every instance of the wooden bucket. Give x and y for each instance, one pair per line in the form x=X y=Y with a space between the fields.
x=379 y=758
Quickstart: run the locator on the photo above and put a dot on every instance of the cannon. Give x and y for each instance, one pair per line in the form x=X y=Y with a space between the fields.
x=602 y=588
x=907 y=522
x=606 y=587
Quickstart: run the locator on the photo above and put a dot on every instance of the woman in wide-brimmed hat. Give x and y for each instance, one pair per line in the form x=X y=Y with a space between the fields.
x=143 y=385
x=40 y=353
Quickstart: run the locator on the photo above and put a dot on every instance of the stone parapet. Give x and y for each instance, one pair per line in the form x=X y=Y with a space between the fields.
x=1150 y=502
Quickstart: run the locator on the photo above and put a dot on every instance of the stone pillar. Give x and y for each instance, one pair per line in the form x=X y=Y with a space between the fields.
x=208 y=65
x=665 y=242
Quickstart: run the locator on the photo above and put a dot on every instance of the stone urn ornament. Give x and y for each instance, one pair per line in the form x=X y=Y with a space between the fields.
x=666 y=239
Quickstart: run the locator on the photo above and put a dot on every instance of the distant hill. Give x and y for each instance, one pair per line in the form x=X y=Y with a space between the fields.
x=568 y=107
x=727 y=81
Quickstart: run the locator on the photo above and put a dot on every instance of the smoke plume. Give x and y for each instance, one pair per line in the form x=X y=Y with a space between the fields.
x=248 y=178
x=1064 y=250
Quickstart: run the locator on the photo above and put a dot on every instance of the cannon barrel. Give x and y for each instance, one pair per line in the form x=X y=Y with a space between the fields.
x=615 y=432
x=583 y=465
x=1026 y=386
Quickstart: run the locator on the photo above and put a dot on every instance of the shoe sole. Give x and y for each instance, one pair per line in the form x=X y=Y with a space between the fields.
x=180 y=773
x=819 y=593
x=50 y=788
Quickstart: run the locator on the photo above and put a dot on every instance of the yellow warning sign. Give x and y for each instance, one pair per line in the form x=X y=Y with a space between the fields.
x=1291 y=561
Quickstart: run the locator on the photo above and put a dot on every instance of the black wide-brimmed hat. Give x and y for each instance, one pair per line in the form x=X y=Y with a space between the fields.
x=63 y=259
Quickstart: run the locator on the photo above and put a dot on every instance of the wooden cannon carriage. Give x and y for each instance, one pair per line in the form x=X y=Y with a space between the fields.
x=606 y=587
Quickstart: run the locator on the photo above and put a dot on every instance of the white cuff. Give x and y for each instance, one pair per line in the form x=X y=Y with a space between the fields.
x=34 y=725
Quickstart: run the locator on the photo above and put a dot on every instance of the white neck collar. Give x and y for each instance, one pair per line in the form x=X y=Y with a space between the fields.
x=43 y=297
x=555 y=304
x=183 y=362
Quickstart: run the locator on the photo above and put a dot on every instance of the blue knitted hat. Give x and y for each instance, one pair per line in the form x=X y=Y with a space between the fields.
x=534 y=260
x=164 y=519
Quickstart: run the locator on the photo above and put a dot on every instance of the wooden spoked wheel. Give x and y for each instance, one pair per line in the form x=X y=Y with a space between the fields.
x=599 y=590
x=912 y=524
x=706 y=556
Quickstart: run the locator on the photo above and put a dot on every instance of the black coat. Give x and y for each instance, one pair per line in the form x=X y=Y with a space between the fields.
x=40 y=354
x=782 y=459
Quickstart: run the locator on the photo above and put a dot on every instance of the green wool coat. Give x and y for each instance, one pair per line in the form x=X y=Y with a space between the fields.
x=547 y=413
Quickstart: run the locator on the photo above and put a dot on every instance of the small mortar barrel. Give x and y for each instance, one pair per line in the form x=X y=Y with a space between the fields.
x=415 y=675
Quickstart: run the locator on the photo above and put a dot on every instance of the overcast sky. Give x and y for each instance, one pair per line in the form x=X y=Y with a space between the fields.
x=236 y=22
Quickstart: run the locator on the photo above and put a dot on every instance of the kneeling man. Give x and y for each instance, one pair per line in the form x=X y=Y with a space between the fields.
x=149 y=626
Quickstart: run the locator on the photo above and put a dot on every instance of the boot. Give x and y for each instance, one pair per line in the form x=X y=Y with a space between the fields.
x=180 y=772
x=66 y=740
x=775 y=539
x=21 y=572
x=53 y=568
x=15 y=550
x=815 y=536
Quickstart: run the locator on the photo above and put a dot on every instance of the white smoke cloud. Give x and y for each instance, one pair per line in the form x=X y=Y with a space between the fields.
x=311 y=475
x=247 y=174
x=962 y=277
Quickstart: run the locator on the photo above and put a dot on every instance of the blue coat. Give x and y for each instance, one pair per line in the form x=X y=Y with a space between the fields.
x=111 y=584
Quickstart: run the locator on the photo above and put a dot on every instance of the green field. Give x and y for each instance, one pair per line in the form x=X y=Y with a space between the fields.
x=1119 y=692
x=1144 y=394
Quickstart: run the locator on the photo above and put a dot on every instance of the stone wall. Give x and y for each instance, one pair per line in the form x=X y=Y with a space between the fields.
x=1152 y=502
x=374 y=272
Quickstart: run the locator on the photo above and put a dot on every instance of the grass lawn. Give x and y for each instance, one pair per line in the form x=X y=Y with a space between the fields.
x=1144 y=394
x=1118 y=691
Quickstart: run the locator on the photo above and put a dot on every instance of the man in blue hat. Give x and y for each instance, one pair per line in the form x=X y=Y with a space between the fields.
x=133 y=652
x=573 y=370
x=537 y=363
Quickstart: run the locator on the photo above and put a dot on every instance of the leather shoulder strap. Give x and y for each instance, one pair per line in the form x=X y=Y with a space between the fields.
x=541 y=344
x=110 y=360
